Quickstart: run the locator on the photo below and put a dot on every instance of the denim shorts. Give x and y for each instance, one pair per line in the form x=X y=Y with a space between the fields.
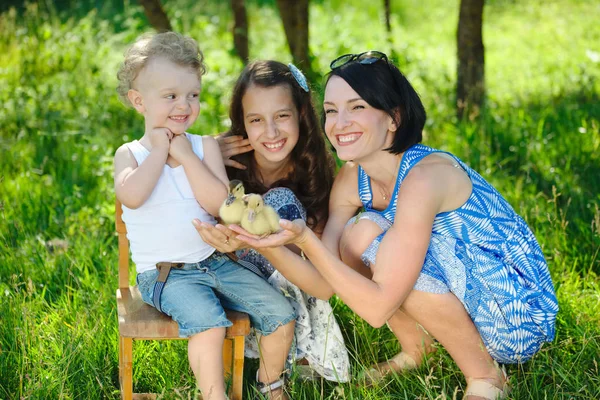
x=196 y=294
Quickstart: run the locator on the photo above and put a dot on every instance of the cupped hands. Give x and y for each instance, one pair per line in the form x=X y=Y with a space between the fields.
x=292 y=232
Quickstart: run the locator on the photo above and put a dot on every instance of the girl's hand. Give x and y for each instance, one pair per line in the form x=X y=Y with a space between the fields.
x=232 y=146
x=181 y=148
x=219 y=237
x=160 y=138
x=293 y=232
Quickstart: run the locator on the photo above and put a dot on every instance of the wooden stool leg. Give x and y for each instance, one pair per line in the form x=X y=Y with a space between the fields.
x=126 y=367
x=238 y=367
x=227 y=358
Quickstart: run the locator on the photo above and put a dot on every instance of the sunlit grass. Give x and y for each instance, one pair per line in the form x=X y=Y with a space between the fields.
x=537 y=141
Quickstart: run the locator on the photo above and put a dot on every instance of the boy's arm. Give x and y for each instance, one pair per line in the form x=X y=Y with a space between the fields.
x=133 y=183
x=207 y=177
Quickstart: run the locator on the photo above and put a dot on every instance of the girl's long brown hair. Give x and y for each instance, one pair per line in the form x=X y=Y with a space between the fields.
x=311 y=176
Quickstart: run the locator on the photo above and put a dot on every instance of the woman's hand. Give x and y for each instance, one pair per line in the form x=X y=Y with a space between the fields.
x=232 y=146
x=220 y=237
x=293 y=232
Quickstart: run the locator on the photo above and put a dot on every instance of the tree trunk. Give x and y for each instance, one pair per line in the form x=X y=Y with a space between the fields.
x=470 y=89
x=294 y=14
x=240 y=29
x=156 y=15
x=388 y=25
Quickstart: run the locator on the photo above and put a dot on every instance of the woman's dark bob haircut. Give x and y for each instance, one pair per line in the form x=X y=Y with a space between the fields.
x=385 y=88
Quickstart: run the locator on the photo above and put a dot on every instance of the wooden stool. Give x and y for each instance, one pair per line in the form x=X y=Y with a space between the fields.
x=139 y=321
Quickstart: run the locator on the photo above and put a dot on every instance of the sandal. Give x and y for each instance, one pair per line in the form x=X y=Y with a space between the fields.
x=266 y=388
x=484 y=389
x=403 y=362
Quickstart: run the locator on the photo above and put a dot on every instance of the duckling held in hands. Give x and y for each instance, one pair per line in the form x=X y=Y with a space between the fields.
x=258 y=218
x=233 y=207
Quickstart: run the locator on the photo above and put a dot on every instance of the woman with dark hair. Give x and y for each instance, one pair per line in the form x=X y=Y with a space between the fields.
x=437 y=251
x=275 y=147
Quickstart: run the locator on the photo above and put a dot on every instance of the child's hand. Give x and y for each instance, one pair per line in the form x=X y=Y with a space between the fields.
x=181 y=149
x=160 y=138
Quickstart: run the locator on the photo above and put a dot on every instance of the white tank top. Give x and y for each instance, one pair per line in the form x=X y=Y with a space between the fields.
x=161 y=229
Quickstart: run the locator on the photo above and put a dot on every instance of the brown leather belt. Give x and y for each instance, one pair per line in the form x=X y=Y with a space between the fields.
x=164 y=268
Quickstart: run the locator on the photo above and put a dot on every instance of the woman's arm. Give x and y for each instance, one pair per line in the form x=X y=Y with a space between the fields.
x=285 y=258
x=344 y=202
x=401 y=253
x=298 y=271
x=431 y=187
x=400 y=256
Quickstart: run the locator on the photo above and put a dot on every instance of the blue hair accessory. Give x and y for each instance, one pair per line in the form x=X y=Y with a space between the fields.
x=298 y=76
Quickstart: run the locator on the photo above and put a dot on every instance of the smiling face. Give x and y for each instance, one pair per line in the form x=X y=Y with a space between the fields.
x=356 y=129
x=167 y=94
x=271 y=122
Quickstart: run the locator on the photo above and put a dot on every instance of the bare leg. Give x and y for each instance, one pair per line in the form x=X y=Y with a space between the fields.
x=414 y=340
x=274 y=350
x=206 y=360
x=355 y=240
x=444 y=316
x=415 y=344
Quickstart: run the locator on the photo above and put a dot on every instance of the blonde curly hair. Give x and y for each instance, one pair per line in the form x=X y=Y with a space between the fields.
x=174 y=47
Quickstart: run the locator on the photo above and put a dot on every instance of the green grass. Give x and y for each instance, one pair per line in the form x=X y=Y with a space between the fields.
x=537 y=141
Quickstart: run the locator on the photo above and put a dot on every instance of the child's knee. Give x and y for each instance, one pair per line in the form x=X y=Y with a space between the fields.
x=205 y=345
x=285 y=329
x=357 y=236
x=281 y=336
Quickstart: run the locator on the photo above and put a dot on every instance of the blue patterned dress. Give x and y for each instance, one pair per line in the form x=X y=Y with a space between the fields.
x=486 y=255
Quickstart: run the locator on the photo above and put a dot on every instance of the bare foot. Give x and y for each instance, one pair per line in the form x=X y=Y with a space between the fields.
x=399 y=363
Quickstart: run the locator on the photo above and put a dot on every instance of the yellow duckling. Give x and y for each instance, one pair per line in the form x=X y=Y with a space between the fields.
x=233 y=207
x=258 y=218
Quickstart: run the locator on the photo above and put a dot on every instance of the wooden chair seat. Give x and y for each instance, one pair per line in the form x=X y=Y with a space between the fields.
x=140 y=321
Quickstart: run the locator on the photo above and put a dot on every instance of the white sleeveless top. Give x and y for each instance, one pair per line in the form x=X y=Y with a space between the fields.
x=161 y=229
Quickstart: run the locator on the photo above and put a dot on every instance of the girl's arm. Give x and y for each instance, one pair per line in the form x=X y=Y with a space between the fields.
x=285 y=258
x=344 y=203
x=133 y=183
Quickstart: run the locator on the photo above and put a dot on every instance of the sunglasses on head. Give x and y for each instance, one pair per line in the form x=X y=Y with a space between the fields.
x=366 y=58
